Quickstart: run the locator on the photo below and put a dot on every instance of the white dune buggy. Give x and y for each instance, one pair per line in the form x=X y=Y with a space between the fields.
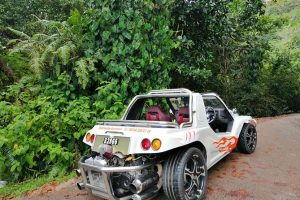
x=166 y=139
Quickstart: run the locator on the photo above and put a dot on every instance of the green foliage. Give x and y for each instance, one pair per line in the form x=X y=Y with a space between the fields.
x=276 y=90
x=41 y=126
x=20 y=14
x=277 y=87
x=122 y=42
x=128 y=42
x=79 y=70
x=218 y=37
x=53 y=50
x=226 y=46
x=18 y=18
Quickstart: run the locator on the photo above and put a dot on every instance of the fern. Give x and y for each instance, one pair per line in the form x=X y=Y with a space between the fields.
x=40 y=37
x=13 y=42
x=10 y=158
x=19 y=33
x=8 y=153
x=81 y=69
x=48 y=55
x=64 y=53
x=36 y=63
x=53 y=49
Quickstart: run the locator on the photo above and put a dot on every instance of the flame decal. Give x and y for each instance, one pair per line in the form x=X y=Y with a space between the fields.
x=226 y=144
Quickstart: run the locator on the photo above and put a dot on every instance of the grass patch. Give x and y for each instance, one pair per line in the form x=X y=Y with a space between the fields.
x=18 y=189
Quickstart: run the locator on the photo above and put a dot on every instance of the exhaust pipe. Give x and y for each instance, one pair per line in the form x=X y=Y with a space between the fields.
x=143 y=183
x=150 y=194
x=78 y=172
x=136 y=186
x=80 y=186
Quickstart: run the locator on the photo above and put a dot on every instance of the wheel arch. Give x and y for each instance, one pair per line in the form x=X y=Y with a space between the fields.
x=196 y=144
x=240 y=122
x=200 y=146
x=251 y=121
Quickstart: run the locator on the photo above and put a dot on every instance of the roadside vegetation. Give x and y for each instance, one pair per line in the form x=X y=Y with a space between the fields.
x=66 y=63
x=18 y=189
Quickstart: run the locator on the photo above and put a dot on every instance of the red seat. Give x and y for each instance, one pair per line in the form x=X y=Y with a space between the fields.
x=183 y=115
x=155 y=113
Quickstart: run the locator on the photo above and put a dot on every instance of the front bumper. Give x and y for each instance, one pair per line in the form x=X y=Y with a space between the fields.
x=103 y=188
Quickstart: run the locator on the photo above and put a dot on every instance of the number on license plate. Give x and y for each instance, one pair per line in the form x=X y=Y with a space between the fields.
x=111 y=141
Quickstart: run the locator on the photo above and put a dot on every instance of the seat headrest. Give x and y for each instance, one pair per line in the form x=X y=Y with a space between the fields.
x=155 y=113
x=183 y=115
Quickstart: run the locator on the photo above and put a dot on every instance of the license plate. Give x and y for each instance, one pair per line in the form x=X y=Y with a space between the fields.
x=111 y=141
x=121 y=144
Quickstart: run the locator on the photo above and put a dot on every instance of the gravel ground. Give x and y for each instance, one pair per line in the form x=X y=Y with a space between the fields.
x=271 y=172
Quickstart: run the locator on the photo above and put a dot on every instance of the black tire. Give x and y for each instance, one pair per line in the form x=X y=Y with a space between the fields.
x=180 y=177
x=247 y=139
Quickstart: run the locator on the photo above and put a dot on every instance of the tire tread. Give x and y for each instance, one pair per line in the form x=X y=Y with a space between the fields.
x=242 y=146
x=173 y=168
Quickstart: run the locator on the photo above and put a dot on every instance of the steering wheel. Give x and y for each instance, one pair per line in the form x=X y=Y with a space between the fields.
x=210 y=114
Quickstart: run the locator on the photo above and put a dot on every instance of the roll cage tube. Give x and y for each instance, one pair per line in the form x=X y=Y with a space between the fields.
x=163 y=93
x=137 y=109
x=171 y=106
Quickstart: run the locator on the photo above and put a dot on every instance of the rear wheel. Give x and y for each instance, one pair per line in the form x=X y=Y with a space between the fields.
x=185 y=175
x=248 y=139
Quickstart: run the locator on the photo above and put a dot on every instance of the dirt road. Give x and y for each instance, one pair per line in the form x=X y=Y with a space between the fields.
x=271 y=172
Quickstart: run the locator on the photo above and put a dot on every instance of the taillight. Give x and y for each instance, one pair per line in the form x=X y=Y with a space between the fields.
x=156 y=144
x=146 y=144
x=88 y=137
x=92 y=138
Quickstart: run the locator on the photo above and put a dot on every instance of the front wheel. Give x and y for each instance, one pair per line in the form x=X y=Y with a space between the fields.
x=248 y=139
x=185 y=175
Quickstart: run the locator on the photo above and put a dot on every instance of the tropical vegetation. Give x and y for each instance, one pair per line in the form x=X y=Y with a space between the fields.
x=66 y=63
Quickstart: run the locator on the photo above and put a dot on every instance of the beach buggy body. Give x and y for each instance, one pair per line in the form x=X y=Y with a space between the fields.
x=166 y=139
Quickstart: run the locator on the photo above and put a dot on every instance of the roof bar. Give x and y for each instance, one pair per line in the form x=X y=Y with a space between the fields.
x=171 y=91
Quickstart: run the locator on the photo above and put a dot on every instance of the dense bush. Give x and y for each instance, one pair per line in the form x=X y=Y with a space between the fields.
x=40 y=125
x=232 y=48
x=21 y=15
x=126 y=42
x=85 y=68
